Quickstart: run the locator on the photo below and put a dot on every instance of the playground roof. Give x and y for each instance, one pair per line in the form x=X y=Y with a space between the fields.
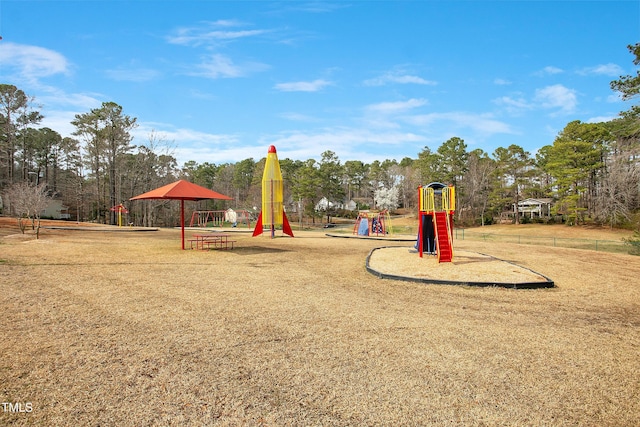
x=182 y=190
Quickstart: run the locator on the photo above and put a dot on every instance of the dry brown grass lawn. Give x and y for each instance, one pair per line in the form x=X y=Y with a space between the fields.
x=103 y=328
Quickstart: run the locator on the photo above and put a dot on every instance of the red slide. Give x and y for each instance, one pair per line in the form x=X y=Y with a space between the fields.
x=445 y=249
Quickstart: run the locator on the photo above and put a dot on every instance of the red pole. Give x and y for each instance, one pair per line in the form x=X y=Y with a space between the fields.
x=182 y=220
x=451 y=224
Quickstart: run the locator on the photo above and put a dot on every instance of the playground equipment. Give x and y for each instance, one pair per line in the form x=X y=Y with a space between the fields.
x=369 y=223
x=435 y=216
x=218 y=218
x=120 y=209
x=272 y=215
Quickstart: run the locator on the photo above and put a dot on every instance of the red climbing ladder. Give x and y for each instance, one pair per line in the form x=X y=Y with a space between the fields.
x=443 y=237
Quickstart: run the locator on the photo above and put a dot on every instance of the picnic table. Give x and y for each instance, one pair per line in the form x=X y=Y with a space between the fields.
x=214 y=240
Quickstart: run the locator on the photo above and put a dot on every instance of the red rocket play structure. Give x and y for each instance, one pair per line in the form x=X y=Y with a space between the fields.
x=272 y=214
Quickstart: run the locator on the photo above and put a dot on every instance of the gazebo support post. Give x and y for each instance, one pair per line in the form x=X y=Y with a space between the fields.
x=182 y=220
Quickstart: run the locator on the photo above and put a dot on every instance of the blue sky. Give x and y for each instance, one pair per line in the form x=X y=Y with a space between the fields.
x=370 y=80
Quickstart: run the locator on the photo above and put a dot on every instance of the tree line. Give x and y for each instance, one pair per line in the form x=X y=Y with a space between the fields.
x=591 y=170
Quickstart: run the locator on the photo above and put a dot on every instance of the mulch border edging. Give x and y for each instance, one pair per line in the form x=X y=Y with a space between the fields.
x=98 y=228
x=516 y=285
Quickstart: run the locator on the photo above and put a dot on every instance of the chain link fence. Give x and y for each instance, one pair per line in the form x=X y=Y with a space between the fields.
x=615 y=246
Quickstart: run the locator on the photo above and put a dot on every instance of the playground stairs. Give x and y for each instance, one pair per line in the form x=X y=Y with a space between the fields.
x=443 y=240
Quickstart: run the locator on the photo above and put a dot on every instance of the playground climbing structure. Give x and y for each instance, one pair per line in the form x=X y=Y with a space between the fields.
x=370 y=223
x=436 y=207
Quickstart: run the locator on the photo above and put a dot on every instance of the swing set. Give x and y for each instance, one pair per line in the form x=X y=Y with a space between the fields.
x=218 y=218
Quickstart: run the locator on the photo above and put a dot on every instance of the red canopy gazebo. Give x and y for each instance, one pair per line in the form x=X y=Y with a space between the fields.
x=182 y=190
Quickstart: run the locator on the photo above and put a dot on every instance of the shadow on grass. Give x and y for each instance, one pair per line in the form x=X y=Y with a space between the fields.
x=256 y=250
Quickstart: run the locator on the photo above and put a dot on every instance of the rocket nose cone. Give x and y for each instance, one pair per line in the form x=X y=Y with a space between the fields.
x=272 y=149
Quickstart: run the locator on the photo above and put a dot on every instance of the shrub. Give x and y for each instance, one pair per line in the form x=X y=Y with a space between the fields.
x=488 y=220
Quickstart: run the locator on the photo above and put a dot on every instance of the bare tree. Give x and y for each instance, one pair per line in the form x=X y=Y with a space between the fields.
x=27 y=201
x=477 y=184
x=619 y=193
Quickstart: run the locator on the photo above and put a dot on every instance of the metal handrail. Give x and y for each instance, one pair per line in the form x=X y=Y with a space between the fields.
x=427 y=199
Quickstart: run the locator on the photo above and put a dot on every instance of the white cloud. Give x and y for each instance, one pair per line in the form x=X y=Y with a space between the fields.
x=32 y=62
x=600 y=119
x=313 y=86
x=611 y=70
x=81 y=101
x=482 y=123
x=189 y=144
x=227 y=23
x=549 y=70
x=614 y=98
x=220 y=66
x=211 y=32
x=60 y=121
x=501 y=82
x=297 y=117
x=557 y=96
x=313 y=6
x=197 y=94
x=347 y=143
x=206 y=140
x=223 y=154
x=513 y=105
x=396 y=107
x=60 y=108
x=133 y=74
x=397 y=77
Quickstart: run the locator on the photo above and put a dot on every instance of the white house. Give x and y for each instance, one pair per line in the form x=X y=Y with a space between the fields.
x=534 y=207
x=56 y=210
x=325 y=204
x=351 y=205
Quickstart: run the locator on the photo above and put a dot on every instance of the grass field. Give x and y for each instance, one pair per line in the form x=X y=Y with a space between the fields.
x=104 y=328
